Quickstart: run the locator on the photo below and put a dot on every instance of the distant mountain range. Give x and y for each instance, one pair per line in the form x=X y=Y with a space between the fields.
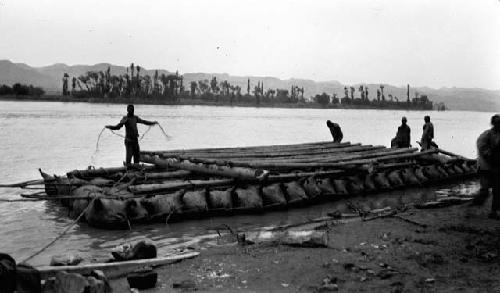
x=50 y=78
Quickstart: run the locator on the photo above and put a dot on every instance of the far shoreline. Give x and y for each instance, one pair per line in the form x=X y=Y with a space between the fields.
x=195 y=102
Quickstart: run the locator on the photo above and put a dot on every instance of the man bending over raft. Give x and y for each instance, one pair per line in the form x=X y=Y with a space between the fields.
x=131 y=134
x=335 y=130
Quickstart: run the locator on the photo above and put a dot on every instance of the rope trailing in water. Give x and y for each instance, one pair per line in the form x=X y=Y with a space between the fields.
x=69 y=227
x=61 y=234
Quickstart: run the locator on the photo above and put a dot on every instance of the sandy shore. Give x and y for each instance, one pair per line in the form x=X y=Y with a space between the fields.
x=458 y=250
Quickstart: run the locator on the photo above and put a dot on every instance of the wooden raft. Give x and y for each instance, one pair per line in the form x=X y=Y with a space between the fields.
x=179 y=184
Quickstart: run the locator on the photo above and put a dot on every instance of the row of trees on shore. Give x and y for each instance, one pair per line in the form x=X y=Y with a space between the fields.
x=221 y=91
x=170 y=88
x=419 y=101
x=21 y=90
x=132 y=83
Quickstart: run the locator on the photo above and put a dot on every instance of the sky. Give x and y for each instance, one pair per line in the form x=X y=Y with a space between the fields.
x=435 y=43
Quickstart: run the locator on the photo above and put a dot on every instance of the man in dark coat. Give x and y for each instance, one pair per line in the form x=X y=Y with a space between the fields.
x=402 y=139
x=335 y=130
x=427 y=134
x=131 y=133
x=488 y=150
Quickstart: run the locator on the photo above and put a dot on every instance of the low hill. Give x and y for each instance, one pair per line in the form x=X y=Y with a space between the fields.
x=50 y=78
x=11 y=73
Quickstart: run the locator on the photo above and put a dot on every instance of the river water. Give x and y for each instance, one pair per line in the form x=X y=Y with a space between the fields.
x=59 y=137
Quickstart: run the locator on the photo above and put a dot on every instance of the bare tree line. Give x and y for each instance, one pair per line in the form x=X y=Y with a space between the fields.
x=170 y=87
x=132 y=83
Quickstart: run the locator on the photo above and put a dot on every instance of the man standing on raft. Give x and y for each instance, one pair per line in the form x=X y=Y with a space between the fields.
x=131 y=134
x=428 y=134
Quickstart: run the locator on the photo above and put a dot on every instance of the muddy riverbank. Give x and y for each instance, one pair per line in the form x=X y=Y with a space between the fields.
x=439 y=250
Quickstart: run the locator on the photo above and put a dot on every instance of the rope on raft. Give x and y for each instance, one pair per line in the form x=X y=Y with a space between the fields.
x=168 y=137
x=93 y=157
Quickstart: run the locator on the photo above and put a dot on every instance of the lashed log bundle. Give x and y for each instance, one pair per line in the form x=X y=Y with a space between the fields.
x=207 y=169
x=175 y=185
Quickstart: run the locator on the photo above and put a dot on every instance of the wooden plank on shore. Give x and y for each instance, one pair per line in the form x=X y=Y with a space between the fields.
x=114 y=269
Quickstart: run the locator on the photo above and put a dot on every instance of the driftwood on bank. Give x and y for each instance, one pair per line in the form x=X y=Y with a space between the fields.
x=115 y=269
x=307 y=238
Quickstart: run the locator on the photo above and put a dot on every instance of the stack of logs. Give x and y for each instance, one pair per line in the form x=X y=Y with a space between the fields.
x=176 y=185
